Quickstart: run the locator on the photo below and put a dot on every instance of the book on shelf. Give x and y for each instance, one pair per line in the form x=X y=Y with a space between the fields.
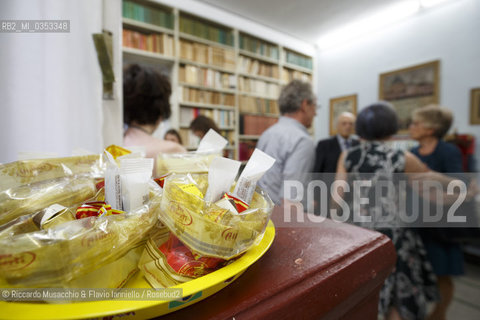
x=154 y=42
x=225 y=119
x=206 y=31
x=147 y=14
x=200 y=53
x=257 y=105
x=289 y=75
x=255 y=124
x=206 y=77
x=260 y=87
x=258 y=46
x=195 y=95
x=299 y=60
x=246 y=149
x=257 y=67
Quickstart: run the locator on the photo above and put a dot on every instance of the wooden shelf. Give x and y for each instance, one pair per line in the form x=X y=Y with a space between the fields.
x=271 y=115
x=190 y=37
x=263 y=78
x=147 y=26
x=248 y=137
x=184 y=84
x=147 y=56
x=256 y=95
x=208 y=66
x=190 y=104
x=184 y=126
x=298 y=68
x=258 y=56
x=272 y=58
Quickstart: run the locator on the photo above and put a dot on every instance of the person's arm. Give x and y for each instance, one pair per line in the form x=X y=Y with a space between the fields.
x=418 y=173
x=299 y=164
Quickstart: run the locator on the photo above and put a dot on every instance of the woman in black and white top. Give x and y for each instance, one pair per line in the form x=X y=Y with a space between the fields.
x=412 y=285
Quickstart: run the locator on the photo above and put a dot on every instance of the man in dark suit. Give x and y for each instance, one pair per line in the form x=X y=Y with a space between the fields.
x=328 y=150
x=327 y=154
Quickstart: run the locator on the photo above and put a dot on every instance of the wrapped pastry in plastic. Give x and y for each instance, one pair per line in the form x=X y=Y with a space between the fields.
x=44 y=219
x=25 y=172
x=41 y=242
x=206 y=228
x=166 y=261
x=210 y=147
x=64 y=252
x=33 y=197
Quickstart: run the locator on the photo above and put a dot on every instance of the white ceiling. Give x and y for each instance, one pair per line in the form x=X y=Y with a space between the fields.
x=304 y=19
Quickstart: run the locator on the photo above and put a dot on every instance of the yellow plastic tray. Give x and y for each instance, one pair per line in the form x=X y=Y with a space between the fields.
x=193 y=291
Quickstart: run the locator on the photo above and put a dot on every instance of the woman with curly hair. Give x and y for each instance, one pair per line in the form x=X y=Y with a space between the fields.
x=146 y=95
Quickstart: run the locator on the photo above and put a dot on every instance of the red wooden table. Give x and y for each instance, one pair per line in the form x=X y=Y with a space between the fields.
x=331 y=271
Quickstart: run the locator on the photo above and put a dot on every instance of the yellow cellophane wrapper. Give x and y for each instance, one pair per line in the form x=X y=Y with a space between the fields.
x=191 y=162
x=56 y=256
x=154 y=266
x=207 y=229
x=66 y=250
x=112 y=275
x=24 y=172
x=33 y=197
x=33 y=222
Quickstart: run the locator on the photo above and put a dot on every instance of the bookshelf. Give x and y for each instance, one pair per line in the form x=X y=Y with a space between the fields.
x=221 y=72
x=296 y=66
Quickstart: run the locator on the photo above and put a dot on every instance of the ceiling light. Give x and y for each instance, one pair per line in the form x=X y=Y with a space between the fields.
x=374 y=22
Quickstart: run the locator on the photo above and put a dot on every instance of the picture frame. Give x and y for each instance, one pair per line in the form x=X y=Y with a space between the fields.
x=339 y=105
x=410 y=88
x=475 y=106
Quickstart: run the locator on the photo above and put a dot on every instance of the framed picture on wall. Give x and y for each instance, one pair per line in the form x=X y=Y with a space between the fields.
x=339 y=105
x=410 y=88
x=475 y=106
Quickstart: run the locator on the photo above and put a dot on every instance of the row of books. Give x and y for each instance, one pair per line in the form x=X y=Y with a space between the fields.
x=299 y=60
x=191 y=141
x=260 y=87
x=206 y=77
x=205 y=96
x=139 y=12
x=223 y=118
x=156 y=42
x=197 y=52
x=257 y=105
x=255 y=124
x=246 y=149
x=258 y=68
x=259 y=47
x=289 y=75
x=206 y=31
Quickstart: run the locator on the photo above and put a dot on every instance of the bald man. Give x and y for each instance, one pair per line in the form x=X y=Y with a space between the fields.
x=328 y=150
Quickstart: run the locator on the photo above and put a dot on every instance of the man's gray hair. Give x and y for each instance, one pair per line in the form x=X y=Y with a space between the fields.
x=293 y=94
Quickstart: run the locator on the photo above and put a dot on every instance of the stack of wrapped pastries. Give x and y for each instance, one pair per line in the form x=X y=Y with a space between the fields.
x=62 y=251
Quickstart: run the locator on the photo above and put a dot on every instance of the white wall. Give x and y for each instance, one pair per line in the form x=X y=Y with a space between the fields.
x=50 y=83
x=449 y=33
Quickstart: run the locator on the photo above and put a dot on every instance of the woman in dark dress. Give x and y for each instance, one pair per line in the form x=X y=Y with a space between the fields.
x=412 y=285
x=429 y=126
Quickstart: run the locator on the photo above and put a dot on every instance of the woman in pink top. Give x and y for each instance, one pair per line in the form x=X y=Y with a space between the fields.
x=146 y=95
